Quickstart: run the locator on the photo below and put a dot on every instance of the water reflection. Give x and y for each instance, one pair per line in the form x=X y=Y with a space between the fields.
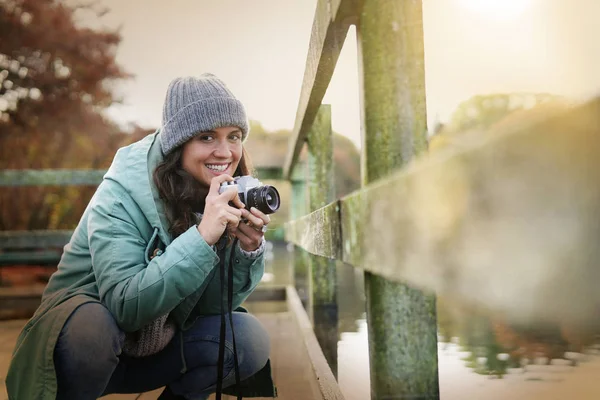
x=481 y=355
x=325 y=323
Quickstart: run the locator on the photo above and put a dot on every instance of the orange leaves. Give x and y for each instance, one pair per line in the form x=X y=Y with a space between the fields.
x=53 y=76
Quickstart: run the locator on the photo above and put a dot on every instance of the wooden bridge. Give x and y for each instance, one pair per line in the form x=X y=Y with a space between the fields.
x=508 y=215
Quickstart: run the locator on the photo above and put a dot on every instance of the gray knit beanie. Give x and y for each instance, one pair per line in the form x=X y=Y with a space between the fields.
x=195 y=105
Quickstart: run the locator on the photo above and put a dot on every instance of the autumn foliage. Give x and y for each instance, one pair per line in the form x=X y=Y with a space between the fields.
x=55 y=80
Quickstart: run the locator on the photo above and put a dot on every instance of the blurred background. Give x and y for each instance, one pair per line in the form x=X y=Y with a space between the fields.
x=79 y=79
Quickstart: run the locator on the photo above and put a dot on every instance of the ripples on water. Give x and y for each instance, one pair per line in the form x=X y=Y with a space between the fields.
x=480 y=356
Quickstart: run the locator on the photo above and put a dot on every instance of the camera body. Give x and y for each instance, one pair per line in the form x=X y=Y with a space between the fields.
x=253 y=193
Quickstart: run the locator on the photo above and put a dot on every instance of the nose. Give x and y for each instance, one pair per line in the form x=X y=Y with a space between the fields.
x=222 y=149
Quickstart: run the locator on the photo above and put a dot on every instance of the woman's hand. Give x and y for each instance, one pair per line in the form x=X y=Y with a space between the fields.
x=250 y=234
x=218 y=214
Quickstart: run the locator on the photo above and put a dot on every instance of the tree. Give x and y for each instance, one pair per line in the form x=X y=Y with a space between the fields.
x=345 y=155
x=483 y=114
x=482 y=111
x=49 y=67
x=54 y=84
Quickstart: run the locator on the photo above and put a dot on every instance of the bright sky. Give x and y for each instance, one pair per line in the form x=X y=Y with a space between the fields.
x=259 y=49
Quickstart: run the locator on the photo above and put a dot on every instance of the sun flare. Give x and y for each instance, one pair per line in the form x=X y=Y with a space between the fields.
x=497 y=9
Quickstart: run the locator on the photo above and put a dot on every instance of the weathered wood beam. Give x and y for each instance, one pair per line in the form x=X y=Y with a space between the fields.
x=45 y=257
x=330 y=27
x=92 y=177
x=300 y=259
x=318 y=232
x=508 y=221
x=50 y=177
x=42 y=239
x=269 y=173
x=323 y=273
x=321 y=191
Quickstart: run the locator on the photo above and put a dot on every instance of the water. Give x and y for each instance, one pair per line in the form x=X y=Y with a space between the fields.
x=481 y=355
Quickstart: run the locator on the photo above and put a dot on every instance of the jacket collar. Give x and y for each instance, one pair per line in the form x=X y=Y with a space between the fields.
x=155 y=157
x=140 y=167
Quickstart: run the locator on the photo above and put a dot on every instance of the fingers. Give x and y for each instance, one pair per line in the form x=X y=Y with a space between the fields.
x=257 y=218
x=221 y=202
x=235 y=199
x=250 y=234
x=249 y=238
x=224 y=211
x=231 y=216
x=216 y=182
x=218 y=213
x=215 y=221
x=230 y=194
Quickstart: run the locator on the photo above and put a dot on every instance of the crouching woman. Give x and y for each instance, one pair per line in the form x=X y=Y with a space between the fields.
x=135 y=304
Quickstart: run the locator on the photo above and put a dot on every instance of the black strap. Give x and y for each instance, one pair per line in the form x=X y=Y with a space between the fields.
x=221 y=361
x=230 y=307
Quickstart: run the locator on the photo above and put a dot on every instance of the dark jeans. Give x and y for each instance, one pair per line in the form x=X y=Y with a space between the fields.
x=89 y=363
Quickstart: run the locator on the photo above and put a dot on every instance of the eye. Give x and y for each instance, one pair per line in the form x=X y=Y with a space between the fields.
x=235 y=137
x=205 y=137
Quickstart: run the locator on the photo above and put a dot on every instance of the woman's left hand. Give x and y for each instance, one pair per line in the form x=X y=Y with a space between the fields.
x=251 y=232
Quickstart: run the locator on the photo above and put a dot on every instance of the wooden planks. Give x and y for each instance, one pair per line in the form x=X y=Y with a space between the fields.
x=328 y=388
x=22 y=301
x=293 y=370
x=9 y=331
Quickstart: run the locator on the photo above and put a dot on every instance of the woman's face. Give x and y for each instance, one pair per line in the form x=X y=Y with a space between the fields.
x=213 y=153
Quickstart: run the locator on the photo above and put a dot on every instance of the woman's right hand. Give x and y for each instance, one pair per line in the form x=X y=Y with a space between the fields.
x=218 y=214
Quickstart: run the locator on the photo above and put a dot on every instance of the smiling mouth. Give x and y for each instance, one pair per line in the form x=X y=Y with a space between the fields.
x=217 y=167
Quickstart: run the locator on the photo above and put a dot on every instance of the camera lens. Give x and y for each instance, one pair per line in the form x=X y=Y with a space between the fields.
x=265 y=198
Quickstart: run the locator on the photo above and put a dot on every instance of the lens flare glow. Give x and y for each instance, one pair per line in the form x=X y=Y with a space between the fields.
x=497 y=9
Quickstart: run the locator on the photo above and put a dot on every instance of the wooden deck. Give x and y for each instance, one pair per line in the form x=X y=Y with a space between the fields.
x=293 y=370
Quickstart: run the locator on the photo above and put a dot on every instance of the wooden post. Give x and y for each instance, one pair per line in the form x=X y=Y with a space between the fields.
x=401 y=319
x=321 y=192
x=299 y=259
x=322 y=270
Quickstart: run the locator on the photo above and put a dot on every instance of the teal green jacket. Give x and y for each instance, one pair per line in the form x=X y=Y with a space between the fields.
x=122 y=255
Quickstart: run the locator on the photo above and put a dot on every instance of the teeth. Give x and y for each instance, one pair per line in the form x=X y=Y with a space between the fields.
x=217 y=168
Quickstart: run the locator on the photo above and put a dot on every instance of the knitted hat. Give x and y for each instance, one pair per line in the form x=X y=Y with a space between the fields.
x=194 y=105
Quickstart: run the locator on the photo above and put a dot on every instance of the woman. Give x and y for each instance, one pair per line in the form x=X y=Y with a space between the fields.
x=135 y=303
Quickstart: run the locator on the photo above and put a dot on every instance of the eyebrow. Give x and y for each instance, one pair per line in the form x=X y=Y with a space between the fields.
x=229 y=133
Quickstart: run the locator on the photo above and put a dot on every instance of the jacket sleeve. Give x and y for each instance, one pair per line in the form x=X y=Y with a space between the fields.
x=134 y=291
x=247 y=273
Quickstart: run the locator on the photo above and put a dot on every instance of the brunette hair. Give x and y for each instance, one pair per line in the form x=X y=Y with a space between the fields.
x=183 y=195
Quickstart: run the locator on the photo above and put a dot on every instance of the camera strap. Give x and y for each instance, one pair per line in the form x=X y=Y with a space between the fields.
x=221 y=246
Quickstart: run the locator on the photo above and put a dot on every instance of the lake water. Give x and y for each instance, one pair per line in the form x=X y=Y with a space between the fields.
x=480 y=356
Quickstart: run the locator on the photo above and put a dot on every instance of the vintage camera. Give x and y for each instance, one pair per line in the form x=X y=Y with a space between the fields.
x=254 y=194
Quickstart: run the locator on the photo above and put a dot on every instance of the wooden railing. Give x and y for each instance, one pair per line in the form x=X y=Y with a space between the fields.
x=508 y=221
x=44 y=247
x=41 y=247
